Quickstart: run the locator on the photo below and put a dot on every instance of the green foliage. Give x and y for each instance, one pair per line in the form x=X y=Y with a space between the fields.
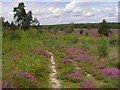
x=113 y=40
x=6 y=24
x=22 y=18
x=118 y=65
x=36 y=22
x=27 y=20
x=69 y=29
x=113 y=84
x=104 y=29
x=32 y=33
x=35 y=65
x=20 y=13
x=12 y=35
x=15 y=35
x=71 y=38
x=12 y=26
x=40 y=31
x=103 y=47
x=99 y=77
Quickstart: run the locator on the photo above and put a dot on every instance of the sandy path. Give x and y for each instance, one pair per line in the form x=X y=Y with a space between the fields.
x=53 y=79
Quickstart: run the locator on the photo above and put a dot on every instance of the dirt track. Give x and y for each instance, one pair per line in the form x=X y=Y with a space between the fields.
x=53 y=79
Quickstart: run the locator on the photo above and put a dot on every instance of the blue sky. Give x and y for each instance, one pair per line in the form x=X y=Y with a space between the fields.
x=65 y=11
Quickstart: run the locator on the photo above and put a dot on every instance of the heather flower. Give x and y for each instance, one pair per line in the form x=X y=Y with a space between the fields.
x=99 y=66
x=78 y=55
x=111 y=73
x=28 y=76
x=73 y=76
x=67 y=61
x=71 y=50
x=82 y=52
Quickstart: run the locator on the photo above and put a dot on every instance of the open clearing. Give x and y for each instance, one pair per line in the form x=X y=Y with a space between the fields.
x=35 y=60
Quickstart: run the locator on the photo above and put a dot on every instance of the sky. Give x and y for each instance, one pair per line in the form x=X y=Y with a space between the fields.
x=52 y=12
x=60 y=0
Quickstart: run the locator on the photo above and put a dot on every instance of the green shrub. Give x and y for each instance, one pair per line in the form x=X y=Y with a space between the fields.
x=113 y=40
x=104 y=28
x=103 y=48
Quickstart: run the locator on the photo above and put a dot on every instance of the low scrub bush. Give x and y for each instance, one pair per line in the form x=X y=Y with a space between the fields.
x=103 y=48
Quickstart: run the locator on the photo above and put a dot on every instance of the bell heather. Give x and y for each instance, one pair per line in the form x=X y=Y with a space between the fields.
x=112 y=73
x=73 y=76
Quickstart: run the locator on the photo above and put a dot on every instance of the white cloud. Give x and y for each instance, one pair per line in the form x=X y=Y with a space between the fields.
x=58 y=11
x=74 y=4
x=71 y=12
x=0 y=9
x=70 y=6
x=7 y=11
